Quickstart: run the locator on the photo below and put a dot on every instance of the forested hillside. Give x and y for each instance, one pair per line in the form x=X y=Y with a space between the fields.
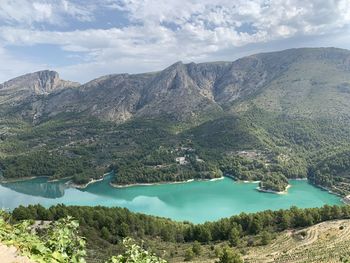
x=105 y=229
x=266 y=117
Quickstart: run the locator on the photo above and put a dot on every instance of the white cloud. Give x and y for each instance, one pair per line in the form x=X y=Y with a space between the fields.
x=161 y=32
x=43 y=10
x=25 y=13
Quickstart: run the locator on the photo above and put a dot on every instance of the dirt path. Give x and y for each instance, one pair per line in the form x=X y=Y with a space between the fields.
x=11 y=255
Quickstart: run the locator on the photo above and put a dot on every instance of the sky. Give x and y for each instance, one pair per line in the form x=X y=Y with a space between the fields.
x=85 y=39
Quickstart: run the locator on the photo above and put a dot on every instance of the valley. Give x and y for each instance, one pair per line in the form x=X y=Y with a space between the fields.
x=145 y=131
x=205 y=115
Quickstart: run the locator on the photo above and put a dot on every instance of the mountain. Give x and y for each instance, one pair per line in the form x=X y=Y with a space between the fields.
x=287 y=109
x=309 y=82
x=28 y=90
x=38 y=83
x=315 y=83
x=300 y=82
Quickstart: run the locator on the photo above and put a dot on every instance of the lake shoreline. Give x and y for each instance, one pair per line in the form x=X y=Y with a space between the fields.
x=346 y=200
x=176 y=202
x=83 y=186
x=23 y=179
x=165 y=183
x=285 y=191
x=68 y=183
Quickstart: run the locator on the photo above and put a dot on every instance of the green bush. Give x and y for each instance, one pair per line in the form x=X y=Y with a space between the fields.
x=61 y=244
x=135 y=254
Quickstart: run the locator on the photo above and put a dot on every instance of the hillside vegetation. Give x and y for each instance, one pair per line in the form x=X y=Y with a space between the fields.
x=269 y=236
x=60 y=242
x=267 y=117
x=105 y=229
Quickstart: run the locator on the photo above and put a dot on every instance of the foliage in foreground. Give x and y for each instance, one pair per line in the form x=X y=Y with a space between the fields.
x=135 y=254
x=61 y=243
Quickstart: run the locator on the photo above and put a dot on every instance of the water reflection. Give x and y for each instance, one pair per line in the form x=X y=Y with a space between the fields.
x=38 y=187
x=196 y=201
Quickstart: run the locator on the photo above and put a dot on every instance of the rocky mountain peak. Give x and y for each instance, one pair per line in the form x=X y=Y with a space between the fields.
x=40 y=82
x=43 y=82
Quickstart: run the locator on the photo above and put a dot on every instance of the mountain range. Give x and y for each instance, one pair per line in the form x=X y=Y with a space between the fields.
x=288 y=102
x=312 y=82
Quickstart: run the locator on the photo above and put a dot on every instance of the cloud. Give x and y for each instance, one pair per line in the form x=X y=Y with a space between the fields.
x=27 y=13
x=161 y=32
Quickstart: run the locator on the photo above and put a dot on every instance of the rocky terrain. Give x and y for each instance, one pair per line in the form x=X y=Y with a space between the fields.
x=299 y=82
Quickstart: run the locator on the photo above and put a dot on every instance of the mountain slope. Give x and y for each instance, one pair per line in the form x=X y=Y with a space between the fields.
x=285 y=108
x=316 y=85
x=300 y=82
x=311 y=83
x=23 y=96
x=38 y=83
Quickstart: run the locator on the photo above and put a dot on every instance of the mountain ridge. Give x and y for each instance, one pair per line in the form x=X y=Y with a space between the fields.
x=186 y=92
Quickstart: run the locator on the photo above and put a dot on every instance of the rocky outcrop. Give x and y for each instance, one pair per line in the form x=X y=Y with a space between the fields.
x=39 y=83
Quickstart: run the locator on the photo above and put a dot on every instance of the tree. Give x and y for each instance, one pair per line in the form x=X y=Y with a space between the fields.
x=61 y=243
x=105 y=234
x=228 y=255
x=196 y=248
x=189 y=255
x=234 y=237
x=256 y=225
x=124 y=230
x=285 y=220
x=135 y=254
x=265 y=238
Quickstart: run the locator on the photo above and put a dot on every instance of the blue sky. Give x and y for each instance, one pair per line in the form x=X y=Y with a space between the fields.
x=84 y=39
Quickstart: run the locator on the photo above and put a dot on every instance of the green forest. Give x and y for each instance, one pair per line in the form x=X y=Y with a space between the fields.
x=256 y=145
x=106 y=228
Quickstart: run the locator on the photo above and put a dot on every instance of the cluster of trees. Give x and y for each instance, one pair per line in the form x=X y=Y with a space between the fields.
x=111 y=224
x=276 y=182
x=139 y=173
x=51 y=165
x=331 y=169
x=160 y=166
x=272 y=173
x=114 y=224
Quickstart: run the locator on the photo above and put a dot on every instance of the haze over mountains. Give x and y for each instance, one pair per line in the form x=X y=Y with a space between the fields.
x=306 y=82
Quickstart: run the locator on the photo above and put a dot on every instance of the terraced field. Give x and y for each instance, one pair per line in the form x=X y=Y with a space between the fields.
x=326 y=242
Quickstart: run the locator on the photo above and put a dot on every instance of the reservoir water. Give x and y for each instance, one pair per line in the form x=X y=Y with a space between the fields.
x=195 y=201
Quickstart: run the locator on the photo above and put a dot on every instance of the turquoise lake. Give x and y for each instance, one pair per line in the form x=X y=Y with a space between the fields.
x=195 y=201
